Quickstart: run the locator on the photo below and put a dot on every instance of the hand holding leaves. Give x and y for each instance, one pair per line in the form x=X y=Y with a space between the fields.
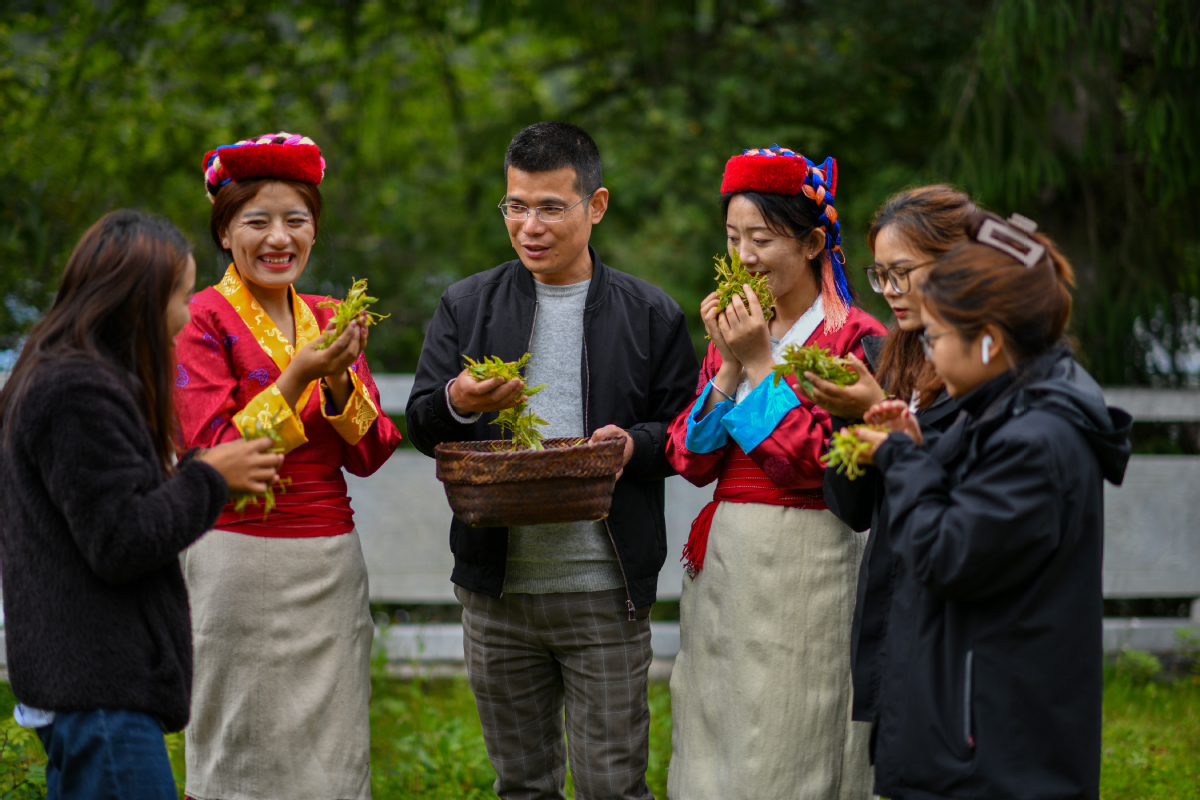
x=848 y=451
x=731 y=279
x=852 y=447
x=356 y=302
x=257 y=431
x=521 y=425
x=813 y=358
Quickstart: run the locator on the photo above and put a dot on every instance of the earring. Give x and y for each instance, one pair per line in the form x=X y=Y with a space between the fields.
x=987 y=346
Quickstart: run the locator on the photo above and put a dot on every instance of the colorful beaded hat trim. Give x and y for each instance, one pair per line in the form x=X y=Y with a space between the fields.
x=286 y=156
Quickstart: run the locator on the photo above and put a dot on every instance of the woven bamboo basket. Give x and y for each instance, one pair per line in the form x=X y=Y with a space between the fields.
x=571 y=480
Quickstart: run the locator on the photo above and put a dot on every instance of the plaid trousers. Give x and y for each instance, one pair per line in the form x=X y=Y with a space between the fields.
x=529 y=656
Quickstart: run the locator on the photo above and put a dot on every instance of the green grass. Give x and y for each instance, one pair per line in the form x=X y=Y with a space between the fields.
x=426 y=742
x=1151 y=740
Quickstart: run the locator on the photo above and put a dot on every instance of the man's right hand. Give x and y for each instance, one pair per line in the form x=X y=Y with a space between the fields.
x=469 y=396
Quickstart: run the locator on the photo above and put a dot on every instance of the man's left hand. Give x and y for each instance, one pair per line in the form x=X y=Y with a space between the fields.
x=614 y=432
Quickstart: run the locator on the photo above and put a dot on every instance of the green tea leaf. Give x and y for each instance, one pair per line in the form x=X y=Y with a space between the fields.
x=355 y=303
x=846 y=450
x=813 y=358
x=521 y=425
x=256 y=431
x=731 y=276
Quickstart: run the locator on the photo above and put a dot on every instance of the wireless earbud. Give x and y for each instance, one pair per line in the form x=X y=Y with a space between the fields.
x=987 y=346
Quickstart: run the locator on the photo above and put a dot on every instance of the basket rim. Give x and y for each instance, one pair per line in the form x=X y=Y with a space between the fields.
x=474 y=462
x=555 y=445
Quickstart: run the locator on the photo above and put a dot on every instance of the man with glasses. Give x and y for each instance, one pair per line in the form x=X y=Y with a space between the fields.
x=556 y=617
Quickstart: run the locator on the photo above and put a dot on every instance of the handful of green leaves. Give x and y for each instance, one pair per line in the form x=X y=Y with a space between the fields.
x=256 y=431
x=355 y=303
x=846 y=450
x=730 y=277
x=522 y=426
x=815 y=359
x=493 y=367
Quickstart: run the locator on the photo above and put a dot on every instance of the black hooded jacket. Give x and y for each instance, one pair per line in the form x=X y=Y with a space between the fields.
x=637 y=371
x=992 y=680
x=862 y=504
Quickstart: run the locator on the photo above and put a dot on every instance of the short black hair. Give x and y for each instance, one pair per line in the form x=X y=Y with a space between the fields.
x=547 y=146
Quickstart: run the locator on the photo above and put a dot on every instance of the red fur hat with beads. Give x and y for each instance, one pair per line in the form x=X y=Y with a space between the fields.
x=286 y=156
x=773 y=170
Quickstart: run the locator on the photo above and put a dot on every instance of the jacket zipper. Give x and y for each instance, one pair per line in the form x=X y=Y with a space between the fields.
x=508 y=531
x=587 y=371
x=967 y=736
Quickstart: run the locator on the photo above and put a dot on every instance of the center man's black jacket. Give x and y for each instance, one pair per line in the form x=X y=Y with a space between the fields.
x=637 y=371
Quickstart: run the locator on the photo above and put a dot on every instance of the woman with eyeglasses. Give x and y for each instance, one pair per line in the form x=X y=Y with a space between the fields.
x=991 y=679
x=909 y=232
x=760 y=690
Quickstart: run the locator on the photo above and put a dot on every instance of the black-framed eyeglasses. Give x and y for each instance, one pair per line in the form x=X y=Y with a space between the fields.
x=927 y=339
x=898 y=277
x=520 y=213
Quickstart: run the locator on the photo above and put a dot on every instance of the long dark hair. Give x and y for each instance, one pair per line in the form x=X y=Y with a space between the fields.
x=930 y=219
x=111 y=307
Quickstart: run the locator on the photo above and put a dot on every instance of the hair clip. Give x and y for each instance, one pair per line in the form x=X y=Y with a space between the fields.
x=1014 y=238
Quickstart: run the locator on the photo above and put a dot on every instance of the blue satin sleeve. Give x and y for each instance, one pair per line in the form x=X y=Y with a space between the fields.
x=707 y=434
x=752 y=420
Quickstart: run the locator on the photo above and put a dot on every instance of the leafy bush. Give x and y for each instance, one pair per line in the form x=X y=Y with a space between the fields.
x=22 y=762
x=1137 y=666
x=1189 y=646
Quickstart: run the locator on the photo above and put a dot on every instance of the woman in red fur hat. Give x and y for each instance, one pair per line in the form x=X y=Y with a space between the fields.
x=760 y=692
x=279 y=598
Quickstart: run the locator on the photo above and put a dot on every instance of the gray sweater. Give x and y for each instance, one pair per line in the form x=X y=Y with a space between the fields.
x=568 y=556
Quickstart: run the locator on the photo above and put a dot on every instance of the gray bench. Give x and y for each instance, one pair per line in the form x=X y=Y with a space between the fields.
x=1152 y=526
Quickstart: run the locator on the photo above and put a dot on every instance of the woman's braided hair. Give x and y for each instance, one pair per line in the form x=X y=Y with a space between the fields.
x=827 y=218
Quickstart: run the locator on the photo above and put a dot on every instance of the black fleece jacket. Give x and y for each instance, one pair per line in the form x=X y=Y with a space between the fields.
x=637 y=371
x=96 y=612
x=992 y=679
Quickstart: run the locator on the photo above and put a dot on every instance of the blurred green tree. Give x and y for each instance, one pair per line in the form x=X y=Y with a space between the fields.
x=1086 y=113
x=1078 y=112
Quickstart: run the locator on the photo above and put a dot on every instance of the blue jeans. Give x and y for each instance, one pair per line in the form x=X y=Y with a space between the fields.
x=106 y=755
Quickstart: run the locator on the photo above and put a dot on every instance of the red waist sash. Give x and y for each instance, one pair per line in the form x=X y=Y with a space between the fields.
x=741 y=481
x=314 y=503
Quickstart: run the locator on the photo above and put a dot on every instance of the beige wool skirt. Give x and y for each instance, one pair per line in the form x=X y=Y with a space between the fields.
x=760 y=690
x=282 y=636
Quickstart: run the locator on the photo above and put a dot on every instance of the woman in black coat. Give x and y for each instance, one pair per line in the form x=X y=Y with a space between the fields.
x=991 y=683
x=908 y=234
x=95 y=512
